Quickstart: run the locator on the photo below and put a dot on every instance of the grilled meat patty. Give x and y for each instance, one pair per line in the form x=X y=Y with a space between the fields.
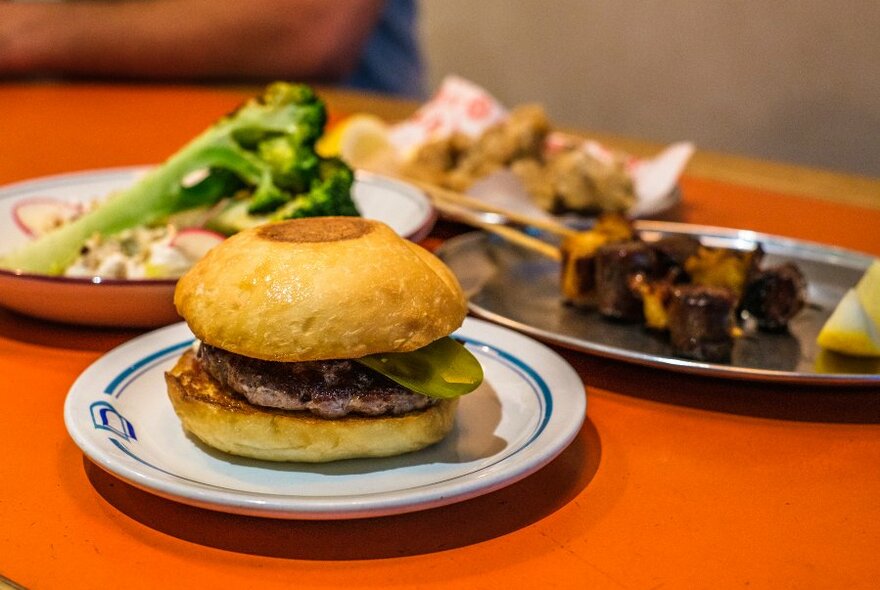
x=329 y=389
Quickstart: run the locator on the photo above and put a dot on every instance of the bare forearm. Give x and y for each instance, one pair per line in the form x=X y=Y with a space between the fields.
x=307 y=39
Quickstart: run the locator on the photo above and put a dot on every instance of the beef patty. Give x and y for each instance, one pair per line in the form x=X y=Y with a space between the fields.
x=329 y=389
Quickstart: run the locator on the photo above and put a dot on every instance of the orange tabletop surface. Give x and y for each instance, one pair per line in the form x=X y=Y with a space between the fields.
x=674 y=481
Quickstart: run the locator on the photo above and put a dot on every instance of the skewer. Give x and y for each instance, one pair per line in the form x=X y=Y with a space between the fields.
x=463 y=207
x=438 y=193
x=507 y=233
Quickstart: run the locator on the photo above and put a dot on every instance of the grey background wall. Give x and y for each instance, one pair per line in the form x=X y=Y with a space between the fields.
x=793 y=81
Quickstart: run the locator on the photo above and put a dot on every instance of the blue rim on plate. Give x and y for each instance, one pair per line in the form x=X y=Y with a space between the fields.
x=117 y=414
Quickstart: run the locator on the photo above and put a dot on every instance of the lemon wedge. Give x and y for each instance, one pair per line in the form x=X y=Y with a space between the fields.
x=868 y=291
x=360 y=139
x=850 y=330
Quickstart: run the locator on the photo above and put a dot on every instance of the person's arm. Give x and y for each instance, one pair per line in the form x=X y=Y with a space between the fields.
x=193 y=39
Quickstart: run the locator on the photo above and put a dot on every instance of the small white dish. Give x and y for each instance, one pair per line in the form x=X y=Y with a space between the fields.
x=148 y=303
x=529 y=408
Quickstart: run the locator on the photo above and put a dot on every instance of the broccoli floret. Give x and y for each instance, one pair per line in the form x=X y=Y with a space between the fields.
x=293 y=169
x=265 y=147
x=330 y=193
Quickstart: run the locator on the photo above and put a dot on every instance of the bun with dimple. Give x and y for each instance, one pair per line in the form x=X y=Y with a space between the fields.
x=320 y=288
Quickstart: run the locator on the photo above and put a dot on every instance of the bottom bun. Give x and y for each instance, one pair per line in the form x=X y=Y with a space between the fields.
x=231 y=424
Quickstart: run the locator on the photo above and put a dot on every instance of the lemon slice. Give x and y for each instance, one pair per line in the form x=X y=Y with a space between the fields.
x=868 y=291
x=359 y=140
x=850 y=330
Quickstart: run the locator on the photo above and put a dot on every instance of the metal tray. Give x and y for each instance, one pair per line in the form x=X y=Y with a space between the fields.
x=520 y=289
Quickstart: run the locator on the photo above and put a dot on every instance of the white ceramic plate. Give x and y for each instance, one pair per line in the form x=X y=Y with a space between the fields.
x=529 y=408
x=148 y=303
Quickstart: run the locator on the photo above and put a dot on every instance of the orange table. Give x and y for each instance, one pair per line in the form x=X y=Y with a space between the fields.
x=674 y=481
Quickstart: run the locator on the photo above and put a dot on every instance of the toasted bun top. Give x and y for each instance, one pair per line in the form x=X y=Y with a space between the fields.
x=319 y=288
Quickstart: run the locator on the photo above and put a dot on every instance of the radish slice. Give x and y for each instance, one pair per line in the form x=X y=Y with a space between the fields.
x=38 y=215
x=195 y=242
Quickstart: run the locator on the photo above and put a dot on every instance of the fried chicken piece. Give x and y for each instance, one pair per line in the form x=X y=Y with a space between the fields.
x=567 y=180
x=457 y=161
x=574 y=181
x=520 y=136
x=434 y=161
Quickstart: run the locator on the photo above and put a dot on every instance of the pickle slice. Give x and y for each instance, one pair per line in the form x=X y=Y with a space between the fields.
x=444 y=368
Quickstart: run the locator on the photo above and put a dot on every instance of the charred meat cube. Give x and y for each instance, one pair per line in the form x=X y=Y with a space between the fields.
x=578 y=268
x=617 y=266
x=672 y=253
x=701 y=323
x=775 y=295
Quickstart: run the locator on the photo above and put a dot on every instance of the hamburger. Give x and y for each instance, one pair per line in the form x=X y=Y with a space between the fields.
x=320 y=339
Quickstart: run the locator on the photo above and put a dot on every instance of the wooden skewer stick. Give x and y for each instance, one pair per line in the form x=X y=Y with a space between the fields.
x=462 y=208
x=438 y=193
x=507 y=233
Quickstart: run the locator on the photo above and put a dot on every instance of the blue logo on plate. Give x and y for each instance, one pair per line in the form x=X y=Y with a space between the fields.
x=105 y=417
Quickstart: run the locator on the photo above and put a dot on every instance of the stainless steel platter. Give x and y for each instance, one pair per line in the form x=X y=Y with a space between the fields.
x=520 y=289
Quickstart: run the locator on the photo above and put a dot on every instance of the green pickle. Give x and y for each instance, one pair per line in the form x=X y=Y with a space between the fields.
x=443 y=369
